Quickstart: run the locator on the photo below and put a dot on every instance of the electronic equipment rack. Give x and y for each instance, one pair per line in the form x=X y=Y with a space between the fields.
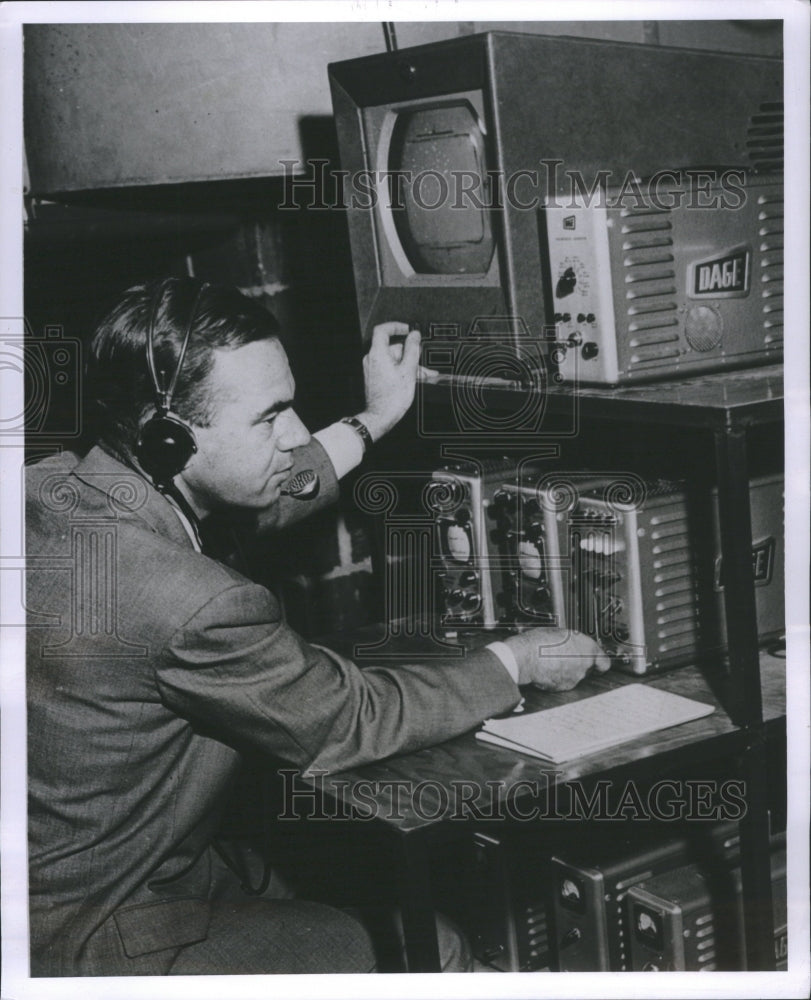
x=727 y=405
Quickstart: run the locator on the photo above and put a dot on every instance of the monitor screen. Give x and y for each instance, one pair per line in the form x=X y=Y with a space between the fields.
x=433 y=217
x=437 y=178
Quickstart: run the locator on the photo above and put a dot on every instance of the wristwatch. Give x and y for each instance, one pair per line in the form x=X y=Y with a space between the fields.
x=360 y=429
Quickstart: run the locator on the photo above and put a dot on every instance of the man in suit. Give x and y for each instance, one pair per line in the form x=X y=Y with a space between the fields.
x=151 y=664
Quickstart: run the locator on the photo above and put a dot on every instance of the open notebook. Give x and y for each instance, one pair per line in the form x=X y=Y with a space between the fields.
x=591 y=724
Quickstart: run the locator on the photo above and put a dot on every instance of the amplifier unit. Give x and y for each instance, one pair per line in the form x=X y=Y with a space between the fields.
x=534 y=557
x=459 y=496
x=590 y=918
x=648 y=576
x=679 y=280
x=506 y=906
x=691 y=920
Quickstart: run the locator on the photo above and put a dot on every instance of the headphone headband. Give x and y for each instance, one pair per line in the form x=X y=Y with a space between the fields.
x=166 y=443
x=164 y=394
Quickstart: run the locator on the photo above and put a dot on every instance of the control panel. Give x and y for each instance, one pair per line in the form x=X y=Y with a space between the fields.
x=665 y=279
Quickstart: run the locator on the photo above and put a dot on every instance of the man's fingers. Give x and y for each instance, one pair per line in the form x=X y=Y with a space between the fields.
x=602 y=662
x=382 y=334
x=411 y=348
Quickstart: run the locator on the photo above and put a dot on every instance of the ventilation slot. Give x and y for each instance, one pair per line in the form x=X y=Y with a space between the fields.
x=645 y=223
x=764 y=138
x=646 y=241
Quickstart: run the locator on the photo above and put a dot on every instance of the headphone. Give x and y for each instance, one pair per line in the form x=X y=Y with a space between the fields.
x=166 y=442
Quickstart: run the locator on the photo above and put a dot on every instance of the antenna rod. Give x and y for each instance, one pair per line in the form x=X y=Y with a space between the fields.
x=390 y=36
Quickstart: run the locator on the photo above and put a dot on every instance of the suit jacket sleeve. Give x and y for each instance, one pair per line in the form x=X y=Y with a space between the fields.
x=237 y=668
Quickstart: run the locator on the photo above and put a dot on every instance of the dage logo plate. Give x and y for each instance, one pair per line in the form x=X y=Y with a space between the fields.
x=725 y=276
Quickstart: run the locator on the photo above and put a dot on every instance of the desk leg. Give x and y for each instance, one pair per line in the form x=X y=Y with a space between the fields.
x=735 y=518
x=419 y=926
x=746 y=707
x=758 y=914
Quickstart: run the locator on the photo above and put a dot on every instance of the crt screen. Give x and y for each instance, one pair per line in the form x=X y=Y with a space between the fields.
x=438 y=190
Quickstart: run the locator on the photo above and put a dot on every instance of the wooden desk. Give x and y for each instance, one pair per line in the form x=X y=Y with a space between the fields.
x=449 y=775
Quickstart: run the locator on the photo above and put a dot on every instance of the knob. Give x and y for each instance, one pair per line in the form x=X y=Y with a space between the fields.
x=566 y=317
x=570 y=937
x=581 y=317
x=590 y=317
x=559 y=351
x=566 y=284
x=471 y=602
x=463 y=516
x=590 y=350
x=455 y=598
x=468 y=577
x=575 y=339
x=541 y=596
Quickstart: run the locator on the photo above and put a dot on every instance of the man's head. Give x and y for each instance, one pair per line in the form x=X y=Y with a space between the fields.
x=235 y=389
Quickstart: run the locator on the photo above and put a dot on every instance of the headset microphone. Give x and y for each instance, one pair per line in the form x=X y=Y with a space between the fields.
x=303 y=486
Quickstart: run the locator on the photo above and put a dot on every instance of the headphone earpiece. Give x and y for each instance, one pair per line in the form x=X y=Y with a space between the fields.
x=165 y=446
x=166 y=442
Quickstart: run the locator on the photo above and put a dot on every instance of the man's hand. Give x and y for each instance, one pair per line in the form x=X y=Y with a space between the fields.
x=555 y=659
x=390 y=374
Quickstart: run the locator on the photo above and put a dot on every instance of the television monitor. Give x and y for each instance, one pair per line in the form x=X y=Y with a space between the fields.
x=451 y=151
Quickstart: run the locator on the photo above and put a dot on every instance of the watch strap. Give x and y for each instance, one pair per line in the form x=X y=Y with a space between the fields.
x=360 y=429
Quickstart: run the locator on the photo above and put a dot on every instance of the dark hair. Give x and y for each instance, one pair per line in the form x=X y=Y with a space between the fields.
x=119 y=387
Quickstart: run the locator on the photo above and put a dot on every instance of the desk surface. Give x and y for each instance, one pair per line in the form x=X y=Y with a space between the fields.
x=455 y=769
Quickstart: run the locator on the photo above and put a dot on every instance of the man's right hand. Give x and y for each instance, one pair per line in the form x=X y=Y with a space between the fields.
x=390 y=376
x=555 y=659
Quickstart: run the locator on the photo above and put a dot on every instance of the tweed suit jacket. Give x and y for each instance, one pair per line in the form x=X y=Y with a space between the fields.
x=149 y=667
